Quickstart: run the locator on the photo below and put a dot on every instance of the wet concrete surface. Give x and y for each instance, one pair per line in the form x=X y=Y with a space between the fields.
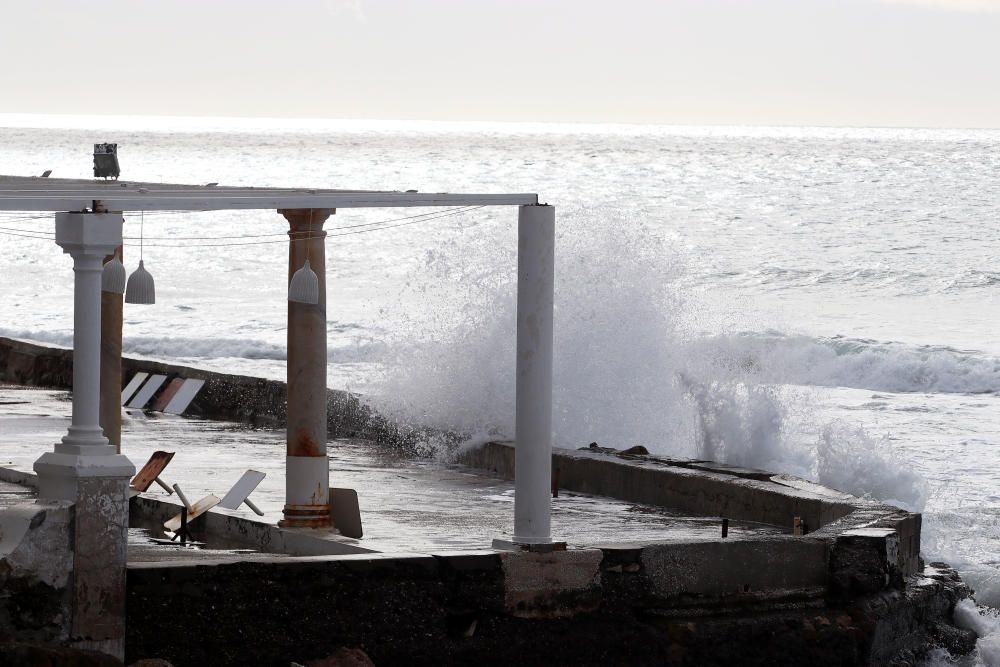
x=407 y=504
x=144 y=547
x=14 y=494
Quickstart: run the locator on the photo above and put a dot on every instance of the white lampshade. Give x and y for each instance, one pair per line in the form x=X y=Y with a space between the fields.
x=140 y=287
x=304 y=287
x=113 y=276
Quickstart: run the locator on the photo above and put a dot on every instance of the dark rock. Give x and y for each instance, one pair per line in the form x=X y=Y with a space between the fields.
x=27 y=655
x=957 y=641
x=344 y=657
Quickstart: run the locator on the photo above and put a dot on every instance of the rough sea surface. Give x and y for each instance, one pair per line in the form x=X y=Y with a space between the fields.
x=816 y=301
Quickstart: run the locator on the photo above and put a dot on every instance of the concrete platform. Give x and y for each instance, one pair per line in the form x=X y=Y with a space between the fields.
x=407 y=504
x=650 y=582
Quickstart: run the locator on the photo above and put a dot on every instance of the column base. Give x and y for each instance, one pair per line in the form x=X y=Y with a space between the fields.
x=302 y=516
x=523 y=539
x=59 y=474
x=307 y=492
x=535 y=547
x=81 y=437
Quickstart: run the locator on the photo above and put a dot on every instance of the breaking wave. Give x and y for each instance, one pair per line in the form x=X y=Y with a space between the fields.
x=985 y=623
x=858 y=363
x=631 y=366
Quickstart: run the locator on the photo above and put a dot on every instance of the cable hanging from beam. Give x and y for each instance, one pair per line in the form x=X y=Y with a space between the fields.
x=368 y=227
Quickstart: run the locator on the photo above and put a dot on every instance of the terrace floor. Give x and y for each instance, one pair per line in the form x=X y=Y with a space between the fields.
x=407 y=504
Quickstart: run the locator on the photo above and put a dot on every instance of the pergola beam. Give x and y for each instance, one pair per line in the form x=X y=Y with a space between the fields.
x=44 y=194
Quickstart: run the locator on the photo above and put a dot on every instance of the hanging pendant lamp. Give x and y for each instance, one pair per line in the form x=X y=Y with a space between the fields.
x=304 y=286
x=113 y=276
x=140 y=288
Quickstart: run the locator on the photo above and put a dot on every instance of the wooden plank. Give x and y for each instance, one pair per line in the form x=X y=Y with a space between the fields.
x=182 y=399
x=199 y=508
x=154 y=466
x=133 y=386
x=242 y=489
x=345 y=512
x=167 y=394
x=147 y=391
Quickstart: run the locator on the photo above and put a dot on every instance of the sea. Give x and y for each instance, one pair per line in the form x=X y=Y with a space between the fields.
x=817 y=301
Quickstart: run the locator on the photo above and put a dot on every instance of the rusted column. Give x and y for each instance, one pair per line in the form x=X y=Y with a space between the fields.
x=111 y=363
x=307 y=470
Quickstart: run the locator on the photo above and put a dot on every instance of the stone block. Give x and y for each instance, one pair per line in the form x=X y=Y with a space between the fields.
x=36 y=560
x=553 y=584
x=734 y=568
x=865 y=561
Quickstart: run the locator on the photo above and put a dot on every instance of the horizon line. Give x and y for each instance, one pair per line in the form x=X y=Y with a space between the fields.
x=316 y=121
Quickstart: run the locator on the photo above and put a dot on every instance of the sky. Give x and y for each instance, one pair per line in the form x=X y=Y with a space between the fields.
x=910 y=63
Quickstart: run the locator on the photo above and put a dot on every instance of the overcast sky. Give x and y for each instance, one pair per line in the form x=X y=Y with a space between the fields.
x=763 y=62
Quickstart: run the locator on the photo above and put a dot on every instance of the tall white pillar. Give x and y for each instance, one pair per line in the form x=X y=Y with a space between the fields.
x=84 y=468
x=533 y=404
x=84 y=451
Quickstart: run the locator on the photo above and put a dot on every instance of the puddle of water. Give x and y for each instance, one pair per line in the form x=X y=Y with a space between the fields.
x=407 y=504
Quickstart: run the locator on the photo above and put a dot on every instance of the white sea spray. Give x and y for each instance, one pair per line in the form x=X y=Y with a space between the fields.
x=631 y=367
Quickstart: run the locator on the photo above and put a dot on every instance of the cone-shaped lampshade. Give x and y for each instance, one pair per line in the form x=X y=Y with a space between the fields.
x=140 y=287
x=304 y=287
x=113 y=276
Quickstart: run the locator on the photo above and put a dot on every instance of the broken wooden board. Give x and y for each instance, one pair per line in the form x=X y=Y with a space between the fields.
x=242 y=489
x=167 y=394
x=182 y=399
x=133 y=386
x=199 y=508
x=143 y=395
x=149 y=472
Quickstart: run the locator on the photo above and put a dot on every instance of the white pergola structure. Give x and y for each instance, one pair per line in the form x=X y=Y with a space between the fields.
x=89 y=223
x=86 y=469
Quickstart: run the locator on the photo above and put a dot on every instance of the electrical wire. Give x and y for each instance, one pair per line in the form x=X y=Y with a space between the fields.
x=26 y=236
x=430 y=216
x=305 y=237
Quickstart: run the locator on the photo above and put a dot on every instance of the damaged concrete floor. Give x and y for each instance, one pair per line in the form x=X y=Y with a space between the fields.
x=407 y=504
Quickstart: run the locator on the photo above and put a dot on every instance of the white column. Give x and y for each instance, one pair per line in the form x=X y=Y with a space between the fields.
x=533 y=419
x=84 y=451
x=84 y=468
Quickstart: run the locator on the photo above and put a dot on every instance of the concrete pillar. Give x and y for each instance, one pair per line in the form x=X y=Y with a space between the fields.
x=533 y=403
x=84 y=468
x=307 y=469
x=111 y=363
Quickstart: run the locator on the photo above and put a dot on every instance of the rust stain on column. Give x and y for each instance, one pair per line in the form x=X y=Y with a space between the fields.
x=111 y=363
x=302 y=443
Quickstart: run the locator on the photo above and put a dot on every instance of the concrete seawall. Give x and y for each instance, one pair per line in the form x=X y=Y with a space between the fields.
x=853 y=591
x=582 y=607
x=861 y=542
x=237 y=398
